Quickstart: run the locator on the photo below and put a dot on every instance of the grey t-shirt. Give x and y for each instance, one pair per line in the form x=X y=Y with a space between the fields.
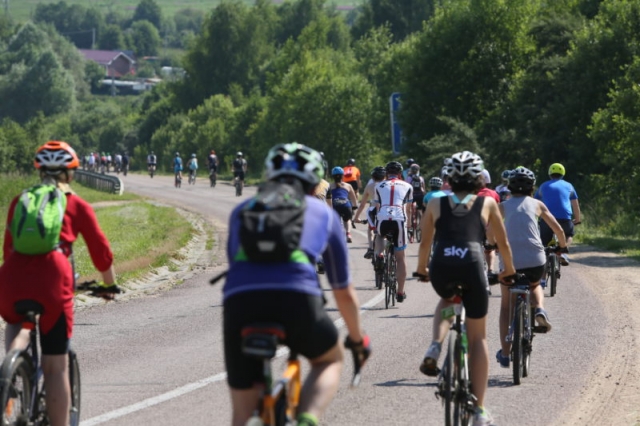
x=523 y=233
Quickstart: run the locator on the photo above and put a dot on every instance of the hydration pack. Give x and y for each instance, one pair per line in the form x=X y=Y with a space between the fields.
x=271 y=224
x=37 y=219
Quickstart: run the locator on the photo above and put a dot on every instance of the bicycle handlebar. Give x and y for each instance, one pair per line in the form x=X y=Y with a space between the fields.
x=97 y=290
x=361 y=352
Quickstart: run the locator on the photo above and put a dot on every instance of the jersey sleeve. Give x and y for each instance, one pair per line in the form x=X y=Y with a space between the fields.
x=7 y=246
x=86 y=223
x=573 y=195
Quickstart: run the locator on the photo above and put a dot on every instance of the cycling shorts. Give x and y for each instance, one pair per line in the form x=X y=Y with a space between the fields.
x=397 y=229
x=344 y=211
x=239 y=175
x=475 y=297
x=533 y=274
x=546 y=233
x=213 y=169
x=309 y=330
x=354 y=185
x=419 y=200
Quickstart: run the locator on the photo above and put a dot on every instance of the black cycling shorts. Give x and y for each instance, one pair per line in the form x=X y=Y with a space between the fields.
x=533 y=274
x=475 y=297
x=546 y=233
x=56 y=342
x=419 y=202
x=310 y=332
x=344 y=211
x=239 y=175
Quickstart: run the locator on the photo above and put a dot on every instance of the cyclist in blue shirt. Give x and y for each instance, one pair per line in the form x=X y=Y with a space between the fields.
x=561 y=199
x=288 y=293
x=177 y=165
x=435 y=190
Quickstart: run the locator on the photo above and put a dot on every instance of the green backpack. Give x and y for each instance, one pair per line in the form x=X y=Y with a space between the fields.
x=37 y=219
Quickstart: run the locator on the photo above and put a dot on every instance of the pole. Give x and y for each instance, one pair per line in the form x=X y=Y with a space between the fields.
x=93 y=38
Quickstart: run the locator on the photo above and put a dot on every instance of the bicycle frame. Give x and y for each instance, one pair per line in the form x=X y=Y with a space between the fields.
x=521 y=293
x=288 y=387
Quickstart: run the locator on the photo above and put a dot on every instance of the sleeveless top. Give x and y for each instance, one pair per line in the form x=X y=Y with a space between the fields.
x=459 y=238
x=523 y=233
x=340 y=196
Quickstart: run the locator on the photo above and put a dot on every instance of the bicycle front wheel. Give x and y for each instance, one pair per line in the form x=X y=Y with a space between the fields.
x=553 y=275
x=15 y=395
x=74 y=381
x=391 y=274
x=516 y=346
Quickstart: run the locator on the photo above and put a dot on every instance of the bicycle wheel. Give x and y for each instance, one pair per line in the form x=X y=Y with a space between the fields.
x=379 y=279
x=449 y=380
x=553 y=276
x=74 y=381
x=394 y=279
x=280 y=410
x=516 y=345
x=527 y=342
x=462 y=405
x=15 y=395
x=387 y=286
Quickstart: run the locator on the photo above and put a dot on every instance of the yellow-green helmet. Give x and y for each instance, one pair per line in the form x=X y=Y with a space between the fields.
x=556 y=169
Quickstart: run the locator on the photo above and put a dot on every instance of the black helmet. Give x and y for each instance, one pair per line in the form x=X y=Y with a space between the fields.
x=393 y=167
x=410 y=161
x=351 y=162
x=521 y=180
x=378 y=173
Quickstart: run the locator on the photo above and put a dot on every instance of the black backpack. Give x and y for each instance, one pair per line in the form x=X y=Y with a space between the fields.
x=237 y=164
x=271 y=223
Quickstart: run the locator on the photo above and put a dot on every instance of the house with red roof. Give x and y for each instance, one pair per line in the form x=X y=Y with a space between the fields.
x=116 y=63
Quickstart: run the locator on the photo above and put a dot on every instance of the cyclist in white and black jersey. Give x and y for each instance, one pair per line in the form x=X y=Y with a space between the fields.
x=392 y=196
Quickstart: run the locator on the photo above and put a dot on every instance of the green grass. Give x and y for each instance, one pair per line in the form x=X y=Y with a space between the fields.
x=628 y=246
x=22 y=10
x=93 y=196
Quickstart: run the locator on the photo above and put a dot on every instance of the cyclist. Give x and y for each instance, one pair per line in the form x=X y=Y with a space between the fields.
x=192 y=165
x=405 y=172
x=435 y=190
x=417 y=182
x=177 y=166
x=125 y=162
x=343 y=199
x=377 y=175
x=109 y=161
x=562 y=200
x=288 y=293
x=323 y=192
x=520 y=220
x=92 y=162
x=152 y=160
x=352 y=175
x=392 y=197
x=213 y=162
x=49 y=278
x=503 y=188
x=118 y=159
x=239 y=167
x=459 y=222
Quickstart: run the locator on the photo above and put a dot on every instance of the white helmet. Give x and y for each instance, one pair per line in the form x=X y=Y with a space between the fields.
x=464 y=165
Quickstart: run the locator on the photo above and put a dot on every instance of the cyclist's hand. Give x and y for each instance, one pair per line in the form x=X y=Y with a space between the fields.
x=506 y=278
x=561 y=250
x=422 y=276
x=576 y=221
x=361 y=352
x=106 y=292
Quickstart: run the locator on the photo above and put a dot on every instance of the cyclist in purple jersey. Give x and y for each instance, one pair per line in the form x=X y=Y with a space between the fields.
x=288 y=293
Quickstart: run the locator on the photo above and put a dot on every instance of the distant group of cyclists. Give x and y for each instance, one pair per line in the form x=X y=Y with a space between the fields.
x=104 y=162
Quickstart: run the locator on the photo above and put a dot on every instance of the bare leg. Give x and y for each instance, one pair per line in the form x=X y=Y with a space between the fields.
x=505 y=316
x=15 y=337
x=321 y=385
x=479 y=356
x=58 y=390
x=401 y=269
x=244 y=403
x=440 y=326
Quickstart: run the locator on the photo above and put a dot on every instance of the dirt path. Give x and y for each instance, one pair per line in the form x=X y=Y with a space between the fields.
x=611 y=396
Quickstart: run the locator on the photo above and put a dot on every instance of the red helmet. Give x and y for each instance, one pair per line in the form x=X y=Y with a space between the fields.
x=56 y=155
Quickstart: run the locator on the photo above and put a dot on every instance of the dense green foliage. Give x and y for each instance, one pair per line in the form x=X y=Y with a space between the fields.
x=529 y=82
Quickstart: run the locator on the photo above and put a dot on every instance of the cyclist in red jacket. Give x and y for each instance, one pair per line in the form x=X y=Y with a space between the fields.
x=49 y=278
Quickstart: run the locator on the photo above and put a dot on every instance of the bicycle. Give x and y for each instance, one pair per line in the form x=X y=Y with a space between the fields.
x=415 y=233
x=178 y=180
x=22 y=393
x=552 y=266
x=192 y=177
x=386 y=272
x=454 y=383
x=238 y=184
x=522 y=327
x=212 y=178
x=152 y=169
x=279 y=400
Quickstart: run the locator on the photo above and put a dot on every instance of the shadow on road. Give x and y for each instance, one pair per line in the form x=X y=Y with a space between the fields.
x=405 y=382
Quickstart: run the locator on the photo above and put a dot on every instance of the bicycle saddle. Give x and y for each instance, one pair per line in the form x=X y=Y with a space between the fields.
x=261 y=340
x=23 y=307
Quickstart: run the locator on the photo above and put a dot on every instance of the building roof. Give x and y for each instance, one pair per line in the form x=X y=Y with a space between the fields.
x=104 y=57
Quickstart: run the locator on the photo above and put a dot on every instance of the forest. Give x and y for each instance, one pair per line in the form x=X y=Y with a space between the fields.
x=525 y=82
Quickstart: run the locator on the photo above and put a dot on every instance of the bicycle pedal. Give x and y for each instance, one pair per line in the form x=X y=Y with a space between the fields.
x=539 y=329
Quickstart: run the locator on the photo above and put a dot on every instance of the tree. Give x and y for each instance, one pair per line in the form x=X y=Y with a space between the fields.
x=404 y=17
x=75 y=21
x=295 y=16
x=148 y=10
x=111 y=38
x=145 y=38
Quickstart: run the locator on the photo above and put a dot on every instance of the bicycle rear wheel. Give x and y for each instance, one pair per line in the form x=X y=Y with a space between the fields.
x=391 y=273
x=516 y=346
x=553 y=275
x=463 y=405
x=449 y=381
x=527 y=342
x=15 y=395
x=387 y=287
x=74 y=381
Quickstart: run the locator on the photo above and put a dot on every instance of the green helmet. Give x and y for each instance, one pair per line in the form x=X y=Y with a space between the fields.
x=297 y=160
x=556 y=169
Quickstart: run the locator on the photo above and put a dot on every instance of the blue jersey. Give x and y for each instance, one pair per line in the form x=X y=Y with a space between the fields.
x=340 y=196
x=177 y=164
x=557 y=194
x=322 y=235
x=433 y=194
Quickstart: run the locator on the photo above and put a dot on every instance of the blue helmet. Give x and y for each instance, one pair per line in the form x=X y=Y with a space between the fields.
x=337 y=171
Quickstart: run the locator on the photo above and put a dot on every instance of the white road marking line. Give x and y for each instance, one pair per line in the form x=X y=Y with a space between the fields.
x=150 y=402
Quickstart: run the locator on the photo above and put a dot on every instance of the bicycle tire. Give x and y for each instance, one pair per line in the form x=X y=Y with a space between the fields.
x=527 y=345
x=516 y=346
x=390 y=263
x=17 y=371
x=449 y=381
x=553 y=276
x=379 y=280
x=387 y=288
x=463 y=407
x=74 y=381
x=280 y=410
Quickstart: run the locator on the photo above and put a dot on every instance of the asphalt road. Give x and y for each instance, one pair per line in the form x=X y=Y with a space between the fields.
x=158 y=360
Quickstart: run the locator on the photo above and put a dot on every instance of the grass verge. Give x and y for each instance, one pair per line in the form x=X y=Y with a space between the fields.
x=628 y=246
